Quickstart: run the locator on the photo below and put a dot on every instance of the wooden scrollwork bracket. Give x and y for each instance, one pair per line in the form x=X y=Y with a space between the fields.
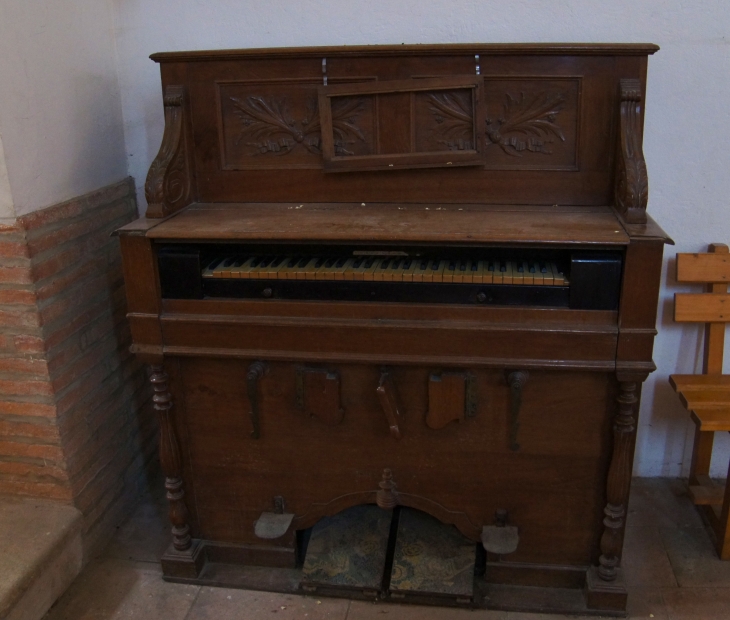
x=631 y=183
x=169 y=185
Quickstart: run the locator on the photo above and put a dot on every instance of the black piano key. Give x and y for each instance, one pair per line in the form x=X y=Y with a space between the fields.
x=435 y=265
x=532 y=267
x=503 y=266
x=462 y=265
x=368 y=263
x=423 y=265
x=452 y=265
x=357 y=263
x=341 y=262
x=319 y=263
x=520 y=268
x=384 y=264
x=293 y=261
x=407 y=264
x=329 y=262
x=395 y=263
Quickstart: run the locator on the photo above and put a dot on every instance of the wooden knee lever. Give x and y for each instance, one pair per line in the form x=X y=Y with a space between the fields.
x=389 y=401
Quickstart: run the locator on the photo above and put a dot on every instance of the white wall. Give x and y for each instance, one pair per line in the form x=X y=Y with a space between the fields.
x=60 y=107
x=687 y=113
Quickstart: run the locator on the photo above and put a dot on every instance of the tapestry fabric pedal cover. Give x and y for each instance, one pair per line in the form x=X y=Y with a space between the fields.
x=348 y=550
x=431 y=558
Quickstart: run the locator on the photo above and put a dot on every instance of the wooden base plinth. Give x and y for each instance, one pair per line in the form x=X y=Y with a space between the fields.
x=184 y=564
x=608 y=596
x=189 y=564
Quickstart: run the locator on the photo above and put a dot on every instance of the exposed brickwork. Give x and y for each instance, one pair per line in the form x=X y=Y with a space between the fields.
x=73 y=425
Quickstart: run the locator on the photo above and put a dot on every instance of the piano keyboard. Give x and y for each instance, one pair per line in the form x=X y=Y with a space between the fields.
x=387 y=269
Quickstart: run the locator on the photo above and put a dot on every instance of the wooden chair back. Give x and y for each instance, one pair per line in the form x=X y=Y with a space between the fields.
x=713 y=306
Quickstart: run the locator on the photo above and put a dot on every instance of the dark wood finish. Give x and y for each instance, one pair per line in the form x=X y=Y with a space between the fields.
x=387 y=223
x=435 y=122
x=446 y=399
x=707 y=396
x=321 y=395
x=390 y=402
x=300 y=402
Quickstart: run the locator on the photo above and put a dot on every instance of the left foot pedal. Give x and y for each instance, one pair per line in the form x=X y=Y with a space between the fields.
x=348 y=552
x=431 y=561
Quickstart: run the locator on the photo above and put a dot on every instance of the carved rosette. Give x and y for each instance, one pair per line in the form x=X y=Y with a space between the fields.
x=619 y=477
x=170 y=460
x=168 y=184
x=632 y=183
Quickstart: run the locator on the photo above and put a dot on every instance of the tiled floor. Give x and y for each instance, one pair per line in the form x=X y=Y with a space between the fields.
x=671 y=569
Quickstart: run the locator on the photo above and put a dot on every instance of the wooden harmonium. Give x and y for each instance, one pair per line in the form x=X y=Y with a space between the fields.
x=587 y=280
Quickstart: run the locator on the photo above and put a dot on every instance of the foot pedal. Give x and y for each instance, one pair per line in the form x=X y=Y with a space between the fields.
x=348 y=552
x=431 y=560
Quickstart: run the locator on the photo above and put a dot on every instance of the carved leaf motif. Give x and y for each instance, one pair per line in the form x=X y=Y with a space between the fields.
x=534 y=118
x=453 y=115
x=271 y=128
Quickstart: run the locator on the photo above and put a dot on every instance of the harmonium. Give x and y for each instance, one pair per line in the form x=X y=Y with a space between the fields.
x=399 y=303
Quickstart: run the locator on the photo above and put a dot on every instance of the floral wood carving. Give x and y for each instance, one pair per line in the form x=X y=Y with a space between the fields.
x=168 y=184
x=632 y=182
x=453 y=115
x=267 y=125
x=534 y=118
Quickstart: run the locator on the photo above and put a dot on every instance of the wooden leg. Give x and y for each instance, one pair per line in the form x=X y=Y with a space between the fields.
x=184 y=558
x=701 y=455
x=605 y=588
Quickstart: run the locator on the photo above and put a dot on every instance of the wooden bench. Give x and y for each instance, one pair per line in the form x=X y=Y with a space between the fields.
x=707 y=396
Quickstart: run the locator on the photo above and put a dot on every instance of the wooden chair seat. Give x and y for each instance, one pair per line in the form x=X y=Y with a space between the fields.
x=707 y=396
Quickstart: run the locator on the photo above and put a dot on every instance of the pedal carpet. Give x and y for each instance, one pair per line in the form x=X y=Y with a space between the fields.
x=348 y=550
x=431 y=558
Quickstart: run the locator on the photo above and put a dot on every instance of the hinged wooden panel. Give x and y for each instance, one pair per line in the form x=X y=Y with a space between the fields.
x=416 y=123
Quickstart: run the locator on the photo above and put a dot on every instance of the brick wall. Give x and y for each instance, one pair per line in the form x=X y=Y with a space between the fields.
x=74 y=419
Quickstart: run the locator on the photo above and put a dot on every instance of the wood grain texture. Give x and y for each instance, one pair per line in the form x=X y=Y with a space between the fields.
x=701 y=308
x=348 y=222
x=554 y=451
x=714 y=267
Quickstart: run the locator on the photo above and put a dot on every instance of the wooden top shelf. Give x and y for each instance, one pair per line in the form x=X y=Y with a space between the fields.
x=389 y=223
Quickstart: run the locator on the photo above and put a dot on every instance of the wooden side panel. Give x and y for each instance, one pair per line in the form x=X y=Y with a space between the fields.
x=143 y=296
x=638 y=307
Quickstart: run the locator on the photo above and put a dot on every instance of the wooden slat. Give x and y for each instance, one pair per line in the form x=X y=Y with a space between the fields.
x=712 y=417
x=699 y=398
x=706 y=496
x=697 y=382
x=706 y=267
x=701 y=308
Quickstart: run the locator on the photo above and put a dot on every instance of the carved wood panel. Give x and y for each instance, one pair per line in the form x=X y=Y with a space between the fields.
x=276 y=124
x=532 y=123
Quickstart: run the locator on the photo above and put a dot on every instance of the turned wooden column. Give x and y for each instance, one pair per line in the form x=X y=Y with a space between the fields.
x=619 y=480
x=604 y=583
x=170 y=460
